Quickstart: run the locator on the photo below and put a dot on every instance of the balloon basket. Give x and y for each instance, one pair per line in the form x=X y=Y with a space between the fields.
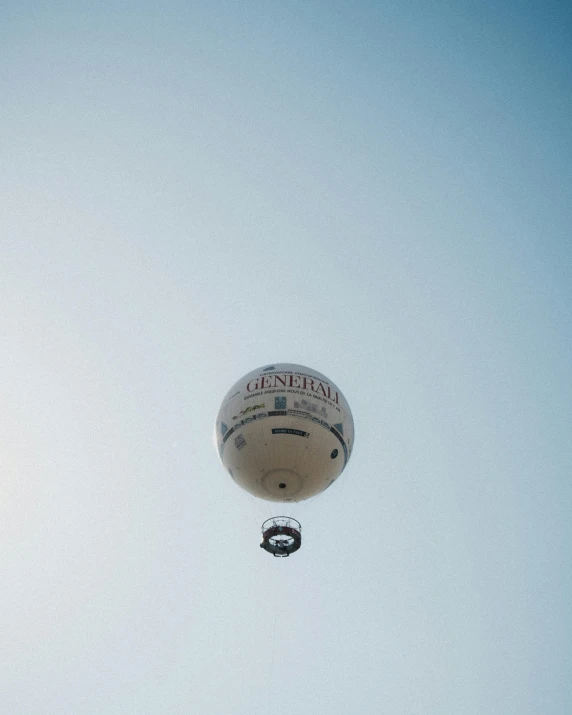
x=281 y=536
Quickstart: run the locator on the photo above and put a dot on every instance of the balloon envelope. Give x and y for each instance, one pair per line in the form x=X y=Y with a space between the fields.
x=284 y=432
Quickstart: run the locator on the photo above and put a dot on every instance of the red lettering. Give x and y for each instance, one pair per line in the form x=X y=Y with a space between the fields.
x=288 y=380
x=308 y=384
x=335 y=399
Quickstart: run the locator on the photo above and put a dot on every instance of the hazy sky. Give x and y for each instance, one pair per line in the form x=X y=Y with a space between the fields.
x=380 y=191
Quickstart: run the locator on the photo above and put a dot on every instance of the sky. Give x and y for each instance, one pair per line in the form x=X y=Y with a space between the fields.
x=379 y=191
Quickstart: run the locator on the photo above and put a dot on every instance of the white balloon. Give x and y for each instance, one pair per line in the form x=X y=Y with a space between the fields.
x=284 y=432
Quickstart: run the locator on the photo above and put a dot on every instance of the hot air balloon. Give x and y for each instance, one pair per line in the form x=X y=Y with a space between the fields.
x=284 y=433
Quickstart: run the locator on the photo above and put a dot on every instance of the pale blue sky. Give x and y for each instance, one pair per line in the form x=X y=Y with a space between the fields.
x=379 y=191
